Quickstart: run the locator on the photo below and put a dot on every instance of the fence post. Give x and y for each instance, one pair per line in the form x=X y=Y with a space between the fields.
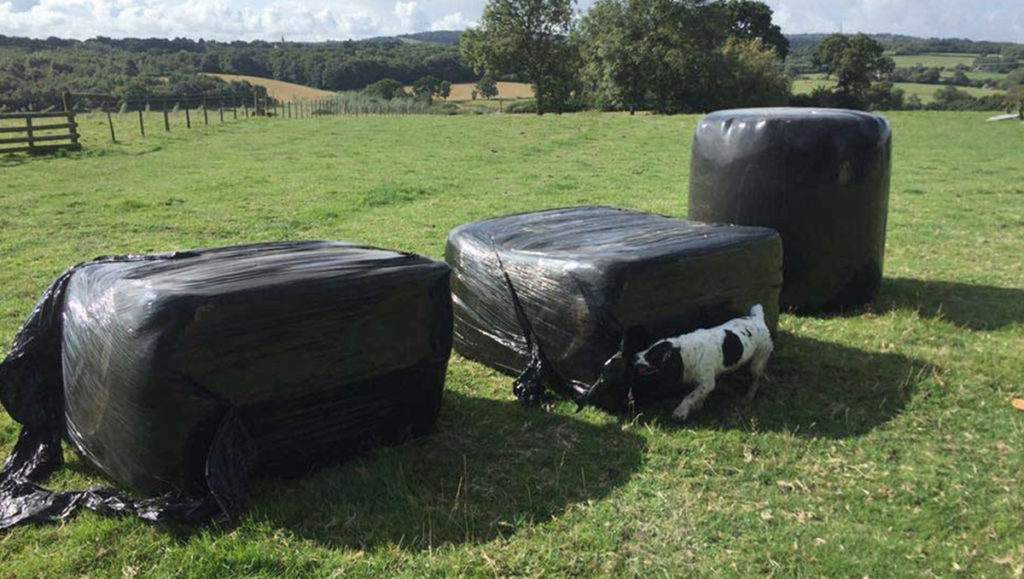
x=31 y=137
x=110 y=122
x=234 y=107
x=188 y=118
x=73 y=129
x=142 y=125
x=167 y=122
x=206 y=117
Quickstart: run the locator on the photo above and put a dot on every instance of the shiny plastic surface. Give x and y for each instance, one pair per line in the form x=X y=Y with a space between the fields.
x=181 y=374
x=553 y=294
x=820 y=177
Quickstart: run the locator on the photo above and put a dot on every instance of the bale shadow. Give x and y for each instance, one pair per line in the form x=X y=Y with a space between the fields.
x=977 y=307
x=489 y=468
x=814 y=389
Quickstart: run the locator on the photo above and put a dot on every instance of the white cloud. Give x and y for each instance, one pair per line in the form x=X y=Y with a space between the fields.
x=453 y=21
x=976 y=19
x=410 y=16
x=339 y=19
x=217 y=19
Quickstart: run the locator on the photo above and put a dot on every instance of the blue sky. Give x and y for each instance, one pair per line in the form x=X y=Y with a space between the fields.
x=327 y=20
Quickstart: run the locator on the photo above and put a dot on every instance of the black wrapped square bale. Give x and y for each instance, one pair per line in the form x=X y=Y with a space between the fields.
x=181 y=373
x=586 y=275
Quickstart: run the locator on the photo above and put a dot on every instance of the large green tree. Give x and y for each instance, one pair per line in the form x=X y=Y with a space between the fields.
x=618 y=55
x=680 y=55
x=750 y=76
x=749 y=20
x=855 y=62
x=526 y=39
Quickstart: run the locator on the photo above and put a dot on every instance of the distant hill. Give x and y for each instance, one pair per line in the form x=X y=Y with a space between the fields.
x=450 y=37
x=903 y=44
x=442 y=37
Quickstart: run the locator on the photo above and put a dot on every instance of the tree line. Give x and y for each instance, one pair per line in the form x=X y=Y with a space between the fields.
x=34 y=73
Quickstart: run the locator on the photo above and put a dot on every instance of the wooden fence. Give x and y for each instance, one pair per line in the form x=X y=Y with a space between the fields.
x=38 y=132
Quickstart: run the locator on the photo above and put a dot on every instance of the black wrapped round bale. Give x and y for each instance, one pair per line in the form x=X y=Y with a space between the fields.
x=820 y=177
x=183 y=373
x=584 y=276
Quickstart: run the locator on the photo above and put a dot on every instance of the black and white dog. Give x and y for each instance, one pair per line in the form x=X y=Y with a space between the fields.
x=701 y=355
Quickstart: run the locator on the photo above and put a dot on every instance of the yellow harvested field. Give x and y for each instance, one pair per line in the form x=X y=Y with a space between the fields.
x=278 y=89
x=506 y=90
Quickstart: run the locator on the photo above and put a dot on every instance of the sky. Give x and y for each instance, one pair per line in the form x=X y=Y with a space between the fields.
x=1001 y=20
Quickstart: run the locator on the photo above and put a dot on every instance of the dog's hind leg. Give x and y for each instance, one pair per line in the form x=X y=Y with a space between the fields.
x=694 y=400
x=757 y=368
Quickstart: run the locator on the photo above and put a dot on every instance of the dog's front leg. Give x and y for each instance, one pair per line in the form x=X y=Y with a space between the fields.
x=752 y=390
x=694 y=400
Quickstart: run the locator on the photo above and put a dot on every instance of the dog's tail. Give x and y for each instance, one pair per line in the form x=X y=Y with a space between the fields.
x=757 y=312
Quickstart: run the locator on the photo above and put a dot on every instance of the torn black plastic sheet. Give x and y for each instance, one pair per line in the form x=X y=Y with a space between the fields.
x=35 y=456
x=32 y=380
x=180 y=377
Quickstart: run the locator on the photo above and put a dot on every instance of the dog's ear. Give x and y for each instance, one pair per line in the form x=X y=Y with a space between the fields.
x=661 y=354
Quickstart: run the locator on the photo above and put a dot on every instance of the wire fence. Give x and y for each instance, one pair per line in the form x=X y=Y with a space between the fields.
x=206 y=108
x=174 y=112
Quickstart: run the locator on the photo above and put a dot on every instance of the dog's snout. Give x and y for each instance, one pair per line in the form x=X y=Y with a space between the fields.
x=643 y=368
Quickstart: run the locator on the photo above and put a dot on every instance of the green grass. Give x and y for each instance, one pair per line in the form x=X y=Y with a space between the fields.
x=934 y=59
x=977 y=75
x=926 y=92
x=885 y=444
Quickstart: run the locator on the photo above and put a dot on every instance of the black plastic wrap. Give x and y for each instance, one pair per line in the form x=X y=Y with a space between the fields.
x=820 y=177
x=179 y=375
x=555 y=295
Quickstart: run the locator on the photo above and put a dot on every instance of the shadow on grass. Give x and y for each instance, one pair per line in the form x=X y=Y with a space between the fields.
x=13 y=160
x=814 y=389
x=977 y=307
x=489 y=468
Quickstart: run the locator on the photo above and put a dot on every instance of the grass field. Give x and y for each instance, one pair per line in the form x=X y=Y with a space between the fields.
x=280 y=90
x=977 y=75
x=934 y=59
x=925 y=92
x=506 y=90
x=461 y=92
x=885 y=444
